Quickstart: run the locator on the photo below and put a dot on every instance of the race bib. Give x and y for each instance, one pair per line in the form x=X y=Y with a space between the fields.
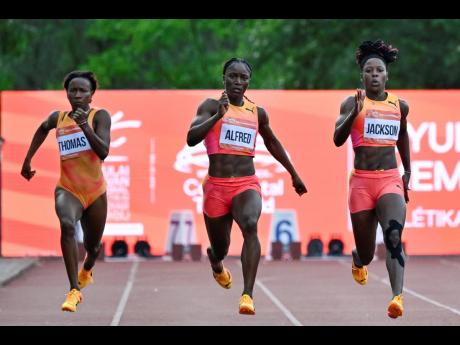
x=72 y=141
x=237 y=135
x=381 y=130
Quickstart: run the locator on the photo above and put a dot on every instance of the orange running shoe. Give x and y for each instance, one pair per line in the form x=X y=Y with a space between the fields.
x=223 y=278
x=72 y=299
x=359 y=273
x=395 y=308
x=247 y=305
x=85 y=277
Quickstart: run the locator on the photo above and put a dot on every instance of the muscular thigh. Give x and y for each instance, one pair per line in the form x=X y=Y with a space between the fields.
x=67 y=206
x=364 y=229
x=94 y=218
x=247 y=207
x=391 y=207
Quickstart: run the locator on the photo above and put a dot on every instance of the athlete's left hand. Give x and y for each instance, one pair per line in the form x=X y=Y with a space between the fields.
x=80 y=116
x=298 y=185
x=405 y=179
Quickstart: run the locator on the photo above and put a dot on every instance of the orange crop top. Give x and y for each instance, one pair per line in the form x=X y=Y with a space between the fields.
x=235 y=133
x=378 y=123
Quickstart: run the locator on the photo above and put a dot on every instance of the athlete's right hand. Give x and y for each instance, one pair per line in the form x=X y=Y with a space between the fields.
x=405 y=179
x=223 y=104
x=27 y=171
x=359 y=101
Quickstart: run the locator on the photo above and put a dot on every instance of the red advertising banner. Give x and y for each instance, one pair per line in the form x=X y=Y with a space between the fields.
x=154 y=177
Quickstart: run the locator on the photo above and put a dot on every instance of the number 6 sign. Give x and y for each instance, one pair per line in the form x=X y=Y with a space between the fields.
x=283 y=228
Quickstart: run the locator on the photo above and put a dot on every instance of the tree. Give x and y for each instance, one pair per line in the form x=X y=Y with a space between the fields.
x=189 y=54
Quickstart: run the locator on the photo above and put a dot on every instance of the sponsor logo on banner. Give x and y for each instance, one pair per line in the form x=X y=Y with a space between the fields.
x=124 y=229
x=193 y=161
x=117 y=142
x=117 y=173
x=283 y=229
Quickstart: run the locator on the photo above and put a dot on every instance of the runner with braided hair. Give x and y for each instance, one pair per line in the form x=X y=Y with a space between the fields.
x=376 y=120
x=229 y=126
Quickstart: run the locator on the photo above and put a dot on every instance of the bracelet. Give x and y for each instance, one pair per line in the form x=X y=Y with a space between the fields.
x=407 y=172
x=81 y=124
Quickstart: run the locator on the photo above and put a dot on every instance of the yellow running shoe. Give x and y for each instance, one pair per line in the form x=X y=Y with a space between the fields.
x=85 y=277
x=72 y=299
x=223 y=278
x=247 y=305
x=359 y=273
x=395 y=308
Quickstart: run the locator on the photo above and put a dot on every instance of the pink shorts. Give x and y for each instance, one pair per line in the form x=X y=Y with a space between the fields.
x=366 y=187
x=220 y=191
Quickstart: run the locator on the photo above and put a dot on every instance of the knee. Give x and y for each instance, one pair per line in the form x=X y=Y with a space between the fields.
x=67 y=227
x=249 y=226
x=393 y=243
x=392 y=237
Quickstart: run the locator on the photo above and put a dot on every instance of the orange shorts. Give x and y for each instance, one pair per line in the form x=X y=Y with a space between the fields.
x=366 y=187
x=85 y=197
x=218 y=193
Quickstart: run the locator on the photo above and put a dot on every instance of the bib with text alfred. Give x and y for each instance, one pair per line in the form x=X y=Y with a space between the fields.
x=238 y=134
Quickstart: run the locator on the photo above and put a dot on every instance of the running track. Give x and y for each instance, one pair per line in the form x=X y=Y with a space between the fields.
x=307 y=292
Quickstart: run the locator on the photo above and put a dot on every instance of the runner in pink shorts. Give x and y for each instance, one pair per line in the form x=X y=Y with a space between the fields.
x=220 y=191
x=376 y=120
x=229 y=126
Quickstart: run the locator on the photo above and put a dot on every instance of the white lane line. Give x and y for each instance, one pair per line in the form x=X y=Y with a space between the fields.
x=422 y=297
x=124 y=297
x=413 y=293
x=277 y=302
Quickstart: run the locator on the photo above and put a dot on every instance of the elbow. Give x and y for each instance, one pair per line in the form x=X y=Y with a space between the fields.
x=339 y=138
x=337 y=142
x=103 y=155
x=191 y=141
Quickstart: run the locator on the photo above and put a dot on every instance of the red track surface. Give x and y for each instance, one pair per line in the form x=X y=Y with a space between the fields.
x=309 y=292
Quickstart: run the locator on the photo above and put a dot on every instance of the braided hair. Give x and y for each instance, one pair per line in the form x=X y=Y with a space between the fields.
x=377 y=49
x=240 y=60
x=235 y=60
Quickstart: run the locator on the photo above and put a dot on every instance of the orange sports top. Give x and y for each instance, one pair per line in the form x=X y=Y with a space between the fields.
x=235 y=133
x=378 y=123
x=81 y=167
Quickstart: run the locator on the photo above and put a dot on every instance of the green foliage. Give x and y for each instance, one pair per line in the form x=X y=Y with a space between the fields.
x=38 y=53
x=189 y=54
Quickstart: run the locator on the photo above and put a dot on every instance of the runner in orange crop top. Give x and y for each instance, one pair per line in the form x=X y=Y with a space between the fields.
x=83 y=137
x=376 y=120
x=229 y=127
